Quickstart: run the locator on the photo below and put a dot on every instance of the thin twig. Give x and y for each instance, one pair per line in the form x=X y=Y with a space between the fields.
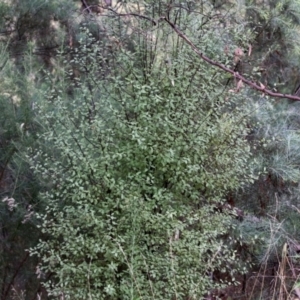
x=134 y=15
x=86 y=6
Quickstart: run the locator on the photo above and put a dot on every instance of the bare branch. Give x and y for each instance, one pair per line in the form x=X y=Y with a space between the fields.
x=259 y=87
x=86 y=7
x=6 y=293
x=252 y=84
x=134 y=15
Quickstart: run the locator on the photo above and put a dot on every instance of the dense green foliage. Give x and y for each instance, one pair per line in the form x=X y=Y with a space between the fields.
x=131 y=168
x=139 y=165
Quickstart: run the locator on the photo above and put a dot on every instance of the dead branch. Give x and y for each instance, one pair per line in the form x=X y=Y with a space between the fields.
x=252 y=84
x=134 y=15
x=256 y=86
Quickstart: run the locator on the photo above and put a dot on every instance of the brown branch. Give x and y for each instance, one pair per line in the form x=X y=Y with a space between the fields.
x=134 y=15
x=15 y=275
x=86 y=7
x=252 y=84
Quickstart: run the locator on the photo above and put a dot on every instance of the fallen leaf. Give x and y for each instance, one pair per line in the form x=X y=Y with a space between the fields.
x=238 y=54
x=249 y=50
x=239 y=85
x=226 y=49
